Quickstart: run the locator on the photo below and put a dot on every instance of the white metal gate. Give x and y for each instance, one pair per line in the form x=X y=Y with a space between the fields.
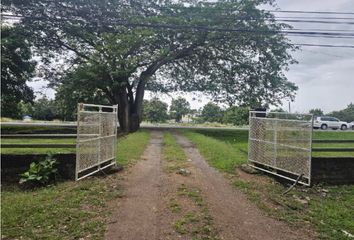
x=280 y=144
x=96 y=144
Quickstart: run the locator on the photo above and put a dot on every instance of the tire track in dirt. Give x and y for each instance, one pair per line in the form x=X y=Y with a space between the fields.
x=234 y=215
x=136 y=215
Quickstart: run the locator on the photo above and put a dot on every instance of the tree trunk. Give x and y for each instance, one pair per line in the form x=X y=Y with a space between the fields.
x=123 y=110
x=129 y=111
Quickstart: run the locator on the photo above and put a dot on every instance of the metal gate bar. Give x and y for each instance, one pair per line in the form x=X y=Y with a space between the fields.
x=281 y=144
x=96 y=145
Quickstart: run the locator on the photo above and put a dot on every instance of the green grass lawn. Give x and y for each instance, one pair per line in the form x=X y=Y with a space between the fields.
x=330 y=212
x=67 y=210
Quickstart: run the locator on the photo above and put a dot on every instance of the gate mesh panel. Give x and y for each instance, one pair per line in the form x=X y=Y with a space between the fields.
x=96 y=138
x=281 y=141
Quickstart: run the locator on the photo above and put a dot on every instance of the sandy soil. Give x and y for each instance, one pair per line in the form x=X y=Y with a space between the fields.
x=145 y=212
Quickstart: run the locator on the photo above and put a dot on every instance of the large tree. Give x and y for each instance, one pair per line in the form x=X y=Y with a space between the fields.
x=179 y=108
x=155 y=110
x=229 y=49
x=237 y=116
x=212 y=113
x=17 y=67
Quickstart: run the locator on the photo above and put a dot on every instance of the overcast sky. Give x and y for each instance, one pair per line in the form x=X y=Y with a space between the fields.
x=325 y=76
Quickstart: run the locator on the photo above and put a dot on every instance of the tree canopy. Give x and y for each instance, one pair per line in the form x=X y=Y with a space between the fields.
x=16 y=68
x=228 y=49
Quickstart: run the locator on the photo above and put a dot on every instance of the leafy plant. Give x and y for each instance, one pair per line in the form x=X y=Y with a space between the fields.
x=40 y=173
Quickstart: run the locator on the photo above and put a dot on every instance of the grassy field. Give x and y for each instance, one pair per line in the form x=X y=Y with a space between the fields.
x=328 y=209
x=36 y=129
x=67 y=210
x=38 y=150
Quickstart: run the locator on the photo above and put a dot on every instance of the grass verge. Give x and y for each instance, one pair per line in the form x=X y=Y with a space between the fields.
x=328 y=209
x=67 y=210
x=220 y=154
x=131 y=147
x=173 y=153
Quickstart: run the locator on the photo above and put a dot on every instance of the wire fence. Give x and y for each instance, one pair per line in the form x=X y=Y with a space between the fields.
x=280 y=144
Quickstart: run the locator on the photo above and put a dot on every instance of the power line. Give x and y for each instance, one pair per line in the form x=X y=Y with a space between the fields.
x=206 y=28
x=323 y=45
x=311 y=12
x=304 y=17
x=314 y=21
x=320 y=29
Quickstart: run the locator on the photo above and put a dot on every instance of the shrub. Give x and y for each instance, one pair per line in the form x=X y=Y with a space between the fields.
x=40 y=173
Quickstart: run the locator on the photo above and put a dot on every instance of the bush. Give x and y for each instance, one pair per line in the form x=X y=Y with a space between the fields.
x=40 y=173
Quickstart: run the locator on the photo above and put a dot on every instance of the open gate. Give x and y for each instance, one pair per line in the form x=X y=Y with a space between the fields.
x=96 y=145
x=280 y=144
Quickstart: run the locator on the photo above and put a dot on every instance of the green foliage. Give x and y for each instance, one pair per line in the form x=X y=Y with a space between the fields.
x=179 y=108
x=212 y=113
x=16 y=68
x=346 y=114
x=80 y=86
x=237 y=116
x=40 y=173
x=121 y=61
x=155 y=110
x=44 y=109
x=316 y=112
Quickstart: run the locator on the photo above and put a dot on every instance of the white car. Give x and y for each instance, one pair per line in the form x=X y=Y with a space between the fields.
x=351 y=125
x=325 y=122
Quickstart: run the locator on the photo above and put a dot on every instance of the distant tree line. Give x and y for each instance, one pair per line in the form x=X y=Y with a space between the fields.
x=157 y=111
x=346 y=114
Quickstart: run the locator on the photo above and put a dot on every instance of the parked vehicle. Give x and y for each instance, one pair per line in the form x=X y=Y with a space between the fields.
x=351 y=125
x=325 y=122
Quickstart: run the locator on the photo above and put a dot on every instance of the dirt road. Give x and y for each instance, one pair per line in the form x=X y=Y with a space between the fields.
x=162 y=205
